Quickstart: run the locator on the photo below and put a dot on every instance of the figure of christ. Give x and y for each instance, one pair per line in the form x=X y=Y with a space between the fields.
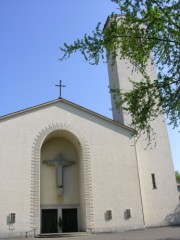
x=59 y=163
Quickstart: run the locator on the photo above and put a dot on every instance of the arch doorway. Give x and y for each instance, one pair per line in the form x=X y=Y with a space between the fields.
x=60 y=183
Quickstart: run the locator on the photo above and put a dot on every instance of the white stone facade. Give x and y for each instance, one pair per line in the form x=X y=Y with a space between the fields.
x=105 y=176
x=108 y=176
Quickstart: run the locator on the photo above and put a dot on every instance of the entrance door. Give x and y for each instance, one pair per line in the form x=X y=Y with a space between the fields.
x=69 y=218
x=49 y=221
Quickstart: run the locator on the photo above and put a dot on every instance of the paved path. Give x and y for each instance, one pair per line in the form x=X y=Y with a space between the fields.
x=163 y=233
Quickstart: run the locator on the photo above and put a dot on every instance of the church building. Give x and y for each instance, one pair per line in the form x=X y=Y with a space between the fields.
x=64 y=168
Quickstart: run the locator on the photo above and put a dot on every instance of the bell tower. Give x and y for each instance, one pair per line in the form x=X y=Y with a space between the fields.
x=155 y=167
x=120 y=71
x=119 y=74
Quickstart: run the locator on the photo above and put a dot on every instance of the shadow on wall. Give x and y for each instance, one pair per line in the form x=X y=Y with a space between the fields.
x=174 y=217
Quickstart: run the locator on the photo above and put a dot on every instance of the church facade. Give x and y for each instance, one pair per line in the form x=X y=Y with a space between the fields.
x=105 y=185
x=64 y=168
x=98 y=189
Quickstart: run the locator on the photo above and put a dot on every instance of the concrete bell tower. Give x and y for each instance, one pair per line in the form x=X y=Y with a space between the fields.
x=119 y=74
x=156 y=172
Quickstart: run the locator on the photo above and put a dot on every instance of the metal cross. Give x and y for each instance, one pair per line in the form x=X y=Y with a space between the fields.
x=60 y=86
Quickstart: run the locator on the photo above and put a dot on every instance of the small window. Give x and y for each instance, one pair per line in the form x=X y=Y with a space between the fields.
x=109 y=214
x=12 y=217
x=153 y=181
x=178 y=187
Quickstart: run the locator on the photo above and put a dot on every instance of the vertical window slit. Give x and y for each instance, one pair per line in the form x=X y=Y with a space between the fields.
x=153 y=181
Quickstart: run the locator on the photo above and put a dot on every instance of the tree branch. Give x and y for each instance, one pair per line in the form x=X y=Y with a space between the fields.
x=166 y=14
x=149 y=38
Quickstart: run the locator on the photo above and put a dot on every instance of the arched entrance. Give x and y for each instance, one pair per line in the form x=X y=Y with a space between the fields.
x=59 y=183
x=76 y=147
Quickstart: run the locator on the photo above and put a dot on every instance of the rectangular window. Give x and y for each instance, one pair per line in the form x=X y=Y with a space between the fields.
x=153 y=181
x=178 y=187
x=12 y=217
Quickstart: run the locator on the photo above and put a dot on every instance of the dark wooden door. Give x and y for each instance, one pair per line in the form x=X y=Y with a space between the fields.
x=49 y=222
x=69 y=218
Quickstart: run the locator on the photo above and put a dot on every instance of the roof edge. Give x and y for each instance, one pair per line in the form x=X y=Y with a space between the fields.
x=70 y=103
x=27 y=109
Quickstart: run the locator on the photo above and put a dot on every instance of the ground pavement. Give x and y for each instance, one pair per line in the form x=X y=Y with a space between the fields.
x=162 y=233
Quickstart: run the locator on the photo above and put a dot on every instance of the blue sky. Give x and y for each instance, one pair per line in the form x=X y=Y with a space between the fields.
x=31 y=33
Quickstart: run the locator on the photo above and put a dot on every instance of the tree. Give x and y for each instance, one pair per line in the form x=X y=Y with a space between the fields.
x=148 y=27
x=177 y=174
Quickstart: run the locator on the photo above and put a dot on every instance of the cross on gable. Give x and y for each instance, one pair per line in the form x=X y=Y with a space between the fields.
x=60 y=87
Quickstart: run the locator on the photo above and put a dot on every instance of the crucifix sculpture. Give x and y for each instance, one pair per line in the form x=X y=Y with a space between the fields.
x=60 y=87
x=59 y=163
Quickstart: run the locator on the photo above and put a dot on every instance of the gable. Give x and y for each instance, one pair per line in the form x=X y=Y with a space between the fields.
x=66 y=106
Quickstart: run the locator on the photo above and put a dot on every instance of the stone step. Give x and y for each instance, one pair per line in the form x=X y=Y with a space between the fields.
x=57 y=235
